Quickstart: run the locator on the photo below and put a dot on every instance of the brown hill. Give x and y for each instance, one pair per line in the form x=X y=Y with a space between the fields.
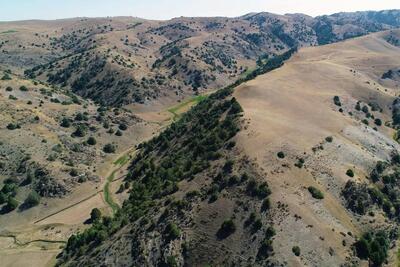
x=294 y=180
x=126 y=60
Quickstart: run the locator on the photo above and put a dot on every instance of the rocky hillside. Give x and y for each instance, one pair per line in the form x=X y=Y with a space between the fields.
x=296 y=167
x=53 y=142
x=123 y=60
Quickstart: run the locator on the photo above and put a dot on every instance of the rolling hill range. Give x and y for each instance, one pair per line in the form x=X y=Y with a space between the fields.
x=297 y=167
x=124 y=60
x=261 y=140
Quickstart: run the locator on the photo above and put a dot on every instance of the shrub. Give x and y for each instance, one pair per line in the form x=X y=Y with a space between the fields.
x=281 y=155
x=23 y=88
x=9 y=89
x=13 y=126
x=329 y=139
x=378 y=122
x=6 y=77
x=91 y=141
x=172 y=231
x=227 y=228
x=265 y=249
x=118 y=133
x=266 y=205
x=3 y=198
x=12 y=204
x=109 y=148
x=315 y=193
x=80 y=131
x=32 y=200
x=299 y=164
x=336 y=100
x=66 y=123
x=80 y=117
x=296 y=250
x=95 y=215
x=73 y=172
x=350 y=173
x=123 y=127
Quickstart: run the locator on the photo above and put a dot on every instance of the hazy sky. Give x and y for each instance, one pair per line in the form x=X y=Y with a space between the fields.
x=165 y=9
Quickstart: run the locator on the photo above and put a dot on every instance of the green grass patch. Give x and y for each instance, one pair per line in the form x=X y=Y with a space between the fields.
x=107 y=195
x=177 y=110
x=9 y=31
x=122 y=160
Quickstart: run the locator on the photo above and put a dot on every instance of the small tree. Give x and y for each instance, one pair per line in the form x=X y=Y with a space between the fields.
x=80 y=131
x=66 y=123
x=172 y=231
x=123 y=127
x=281 y=155
x=95 y=215
x=315 y=193
x=91 y=141
x=6 y=77
x=32 y=200
x=378 y=122
x=109 y=148
x=350 y=173
x=12 y=204
x=227 y=228
x=296 y=250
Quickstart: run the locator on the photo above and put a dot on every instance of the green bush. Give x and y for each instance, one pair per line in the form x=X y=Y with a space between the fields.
x=3 y=198
x=9 y=89
x=296 y=250
x=109 y=148
x=172 y=231
x=350 y=173
x=281 y=155
x=95 y=215
x=373 y=246
x=65 y=122
x=315 y=193
x=227 y=228
x=6 y=77
x=123 y=127
x=378 y=122
x=13 y=126
x=80 y=131
x=329 y=139
x=32 y=200
x=23 y=88
x=12 y=204
x=336 y=100
x=266 y=205
x=91 y=141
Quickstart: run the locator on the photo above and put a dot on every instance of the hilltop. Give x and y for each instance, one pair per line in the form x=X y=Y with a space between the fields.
x=124 y=60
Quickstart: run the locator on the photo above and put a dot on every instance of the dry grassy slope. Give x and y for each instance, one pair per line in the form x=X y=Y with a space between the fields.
x=190 y=53
x=38 y=139
x=291 y=110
